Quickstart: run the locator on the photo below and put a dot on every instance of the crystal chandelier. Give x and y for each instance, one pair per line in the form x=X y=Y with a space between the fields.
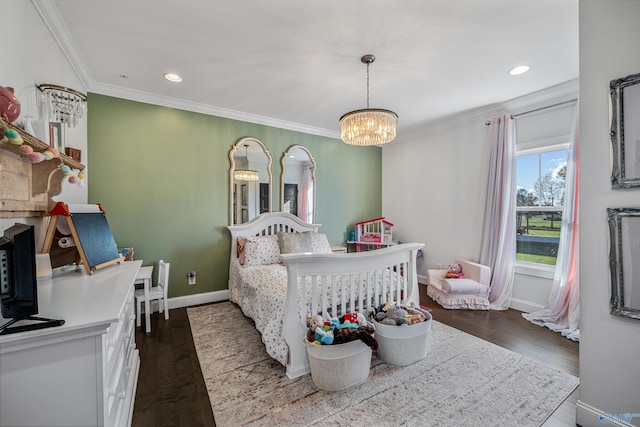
x=371 y=126
x=246 y=174
x=61 y=104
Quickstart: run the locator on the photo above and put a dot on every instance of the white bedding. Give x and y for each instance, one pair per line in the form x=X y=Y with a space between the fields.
x=261 y=293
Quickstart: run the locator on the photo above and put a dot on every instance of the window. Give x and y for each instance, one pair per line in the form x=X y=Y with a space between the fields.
x=540 y=185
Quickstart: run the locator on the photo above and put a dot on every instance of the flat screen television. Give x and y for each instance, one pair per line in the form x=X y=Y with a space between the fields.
x=18 y=281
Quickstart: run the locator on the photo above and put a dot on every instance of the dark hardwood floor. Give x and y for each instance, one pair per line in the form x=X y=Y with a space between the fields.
x=171 y=389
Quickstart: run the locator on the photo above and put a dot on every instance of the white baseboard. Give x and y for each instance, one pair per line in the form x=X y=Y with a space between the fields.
x=524 y=306
x=588 y=416
x=195 y=299
x=422 y=279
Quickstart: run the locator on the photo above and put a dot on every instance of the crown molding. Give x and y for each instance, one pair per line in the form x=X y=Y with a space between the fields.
x=164 y=101
x=554 y=94
x=62 y=36
x=60 y=33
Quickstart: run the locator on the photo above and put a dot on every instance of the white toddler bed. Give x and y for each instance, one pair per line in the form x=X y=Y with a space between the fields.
x=279 y=291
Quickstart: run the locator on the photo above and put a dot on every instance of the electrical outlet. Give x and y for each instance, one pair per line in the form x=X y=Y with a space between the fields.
x=192 y=277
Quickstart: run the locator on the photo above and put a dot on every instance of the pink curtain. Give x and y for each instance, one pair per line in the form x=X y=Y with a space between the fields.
x=498 y=243
x=305 y=204
x=562 y=312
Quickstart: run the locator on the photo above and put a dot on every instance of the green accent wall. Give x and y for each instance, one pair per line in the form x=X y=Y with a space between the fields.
x=162 y=176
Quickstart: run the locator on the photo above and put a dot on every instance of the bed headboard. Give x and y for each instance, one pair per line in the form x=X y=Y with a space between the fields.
x=266 y=224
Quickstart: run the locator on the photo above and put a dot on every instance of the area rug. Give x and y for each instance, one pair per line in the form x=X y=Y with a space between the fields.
x=463 y=381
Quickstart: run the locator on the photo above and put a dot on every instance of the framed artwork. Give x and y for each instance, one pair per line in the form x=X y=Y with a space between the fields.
x=243 y=195
x=56 y=136
x=624 y=96
x=624 y=261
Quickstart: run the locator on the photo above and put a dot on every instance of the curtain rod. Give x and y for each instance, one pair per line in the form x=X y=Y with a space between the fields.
x=513 y=116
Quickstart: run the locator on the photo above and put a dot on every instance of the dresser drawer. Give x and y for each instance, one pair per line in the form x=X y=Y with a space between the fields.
x=120 y=403
x=117 y=333
x=115 y=389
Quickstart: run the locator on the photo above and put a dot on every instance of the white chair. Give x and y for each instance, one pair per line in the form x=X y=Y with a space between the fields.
x=472 y=292
x=155 y=293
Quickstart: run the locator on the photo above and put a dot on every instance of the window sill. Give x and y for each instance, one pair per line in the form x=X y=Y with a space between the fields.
x=536 y=270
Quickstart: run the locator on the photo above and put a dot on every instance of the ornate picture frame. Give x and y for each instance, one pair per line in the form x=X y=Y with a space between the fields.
x=624 y=96
x=624 y=261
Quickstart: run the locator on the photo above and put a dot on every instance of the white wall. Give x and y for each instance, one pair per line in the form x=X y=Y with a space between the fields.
x=609 y=345
x=30 y=56
x=433 y=187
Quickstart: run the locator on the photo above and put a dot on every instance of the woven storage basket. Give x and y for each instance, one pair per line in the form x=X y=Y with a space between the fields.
x=337 y=367
x=403 y=345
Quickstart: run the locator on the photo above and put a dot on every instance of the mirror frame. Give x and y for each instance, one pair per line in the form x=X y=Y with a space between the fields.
x=283 y=172
x=616 y=255
x=619 y=178
x=232 y=166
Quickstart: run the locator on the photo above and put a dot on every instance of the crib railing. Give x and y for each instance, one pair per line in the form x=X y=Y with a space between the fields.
x=335 y=284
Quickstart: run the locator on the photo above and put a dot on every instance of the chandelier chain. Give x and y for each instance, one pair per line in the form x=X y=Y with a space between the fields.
x=368 y=85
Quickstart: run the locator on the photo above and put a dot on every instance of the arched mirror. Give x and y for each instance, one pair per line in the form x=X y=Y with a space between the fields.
x=249 y=180
x=298 y=183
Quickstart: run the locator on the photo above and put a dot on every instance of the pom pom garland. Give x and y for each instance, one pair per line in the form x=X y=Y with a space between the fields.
x=25 y=149
x=50 y=153
x=35 y=157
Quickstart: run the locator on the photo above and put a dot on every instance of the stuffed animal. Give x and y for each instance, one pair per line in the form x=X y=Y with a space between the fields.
x=325 y=334
x=354 y=318
x=393 y=316
x=454 y=272
x=363 y=333
x=314 y=322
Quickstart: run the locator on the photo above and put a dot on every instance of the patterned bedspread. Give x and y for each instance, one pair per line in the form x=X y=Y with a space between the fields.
x=261 y=293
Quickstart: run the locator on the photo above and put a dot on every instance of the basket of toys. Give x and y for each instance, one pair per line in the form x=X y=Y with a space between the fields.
x=339 y=351
x=402 y=333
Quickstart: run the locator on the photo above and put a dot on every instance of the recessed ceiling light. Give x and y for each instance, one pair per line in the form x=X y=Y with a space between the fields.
x=173 y=77
x=519 y=70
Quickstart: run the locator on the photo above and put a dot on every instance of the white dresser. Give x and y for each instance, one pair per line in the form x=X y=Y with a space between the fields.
x=85 y=372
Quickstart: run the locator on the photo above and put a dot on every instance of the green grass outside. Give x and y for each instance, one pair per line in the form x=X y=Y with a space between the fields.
x=540 y=259
x=539 y=226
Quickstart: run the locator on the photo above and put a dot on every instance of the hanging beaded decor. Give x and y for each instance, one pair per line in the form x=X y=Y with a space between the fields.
x=61 y=104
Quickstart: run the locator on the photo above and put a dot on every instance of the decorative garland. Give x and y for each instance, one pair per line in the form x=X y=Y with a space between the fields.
x=35 y=157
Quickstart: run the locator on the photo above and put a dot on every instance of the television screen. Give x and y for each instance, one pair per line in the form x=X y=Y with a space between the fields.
x=18 y=282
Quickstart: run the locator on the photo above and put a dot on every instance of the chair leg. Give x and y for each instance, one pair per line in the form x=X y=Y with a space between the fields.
x=166 y=310
x=138 y=314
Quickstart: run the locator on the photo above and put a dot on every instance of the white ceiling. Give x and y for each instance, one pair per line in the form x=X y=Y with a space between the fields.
x=296 y=64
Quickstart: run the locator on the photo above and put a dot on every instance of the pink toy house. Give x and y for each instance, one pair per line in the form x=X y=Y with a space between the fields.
x=373 y=233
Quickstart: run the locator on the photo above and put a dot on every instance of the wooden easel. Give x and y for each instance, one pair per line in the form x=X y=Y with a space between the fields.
x=90 y=232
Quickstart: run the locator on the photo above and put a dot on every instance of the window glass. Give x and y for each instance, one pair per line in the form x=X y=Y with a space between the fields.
x=540 y=185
